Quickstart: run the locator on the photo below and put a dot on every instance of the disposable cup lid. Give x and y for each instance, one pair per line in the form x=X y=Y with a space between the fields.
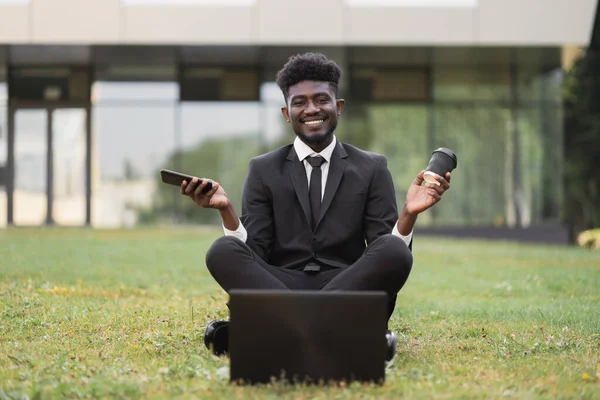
x=429 y=177
x=449 y=153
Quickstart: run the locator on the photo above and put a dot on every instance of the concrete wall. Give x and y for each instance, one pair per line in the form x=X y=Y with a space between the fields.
x=482 y=22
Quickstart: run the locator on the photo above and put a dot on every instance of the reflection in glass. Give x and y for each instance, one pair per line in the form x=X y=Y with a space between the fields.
x=275 y=131
x=399 y=132
x=30 y=200
x=217 y=141
x=3 y=149
x=3 y=138
x=535 y=85
x=481 y=137
x=68 y=147
x=474 y=83
x=135 y=92
x=502 y=177
x=131 y=144
x=540 y=163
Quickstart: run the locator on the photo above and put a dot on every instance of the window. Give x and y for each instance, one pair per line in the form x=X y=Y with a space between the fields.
x=471 y=83
x=49 y=84
x=389 y=84
x=3 y=146
x=134 y=135
x=219 y=84
x=218 y=139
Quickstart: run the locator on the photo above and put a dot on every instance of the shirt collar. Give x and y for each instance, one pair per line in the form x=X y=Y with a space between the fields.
x=303 y=151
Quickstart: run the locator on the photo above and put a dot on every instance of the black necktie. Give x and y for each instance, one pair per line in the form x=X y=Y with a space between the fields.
x=314 y=190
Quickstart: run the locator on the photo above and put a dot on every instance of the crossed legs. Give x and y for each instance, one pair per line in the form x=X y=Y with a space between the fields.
x=385 y=265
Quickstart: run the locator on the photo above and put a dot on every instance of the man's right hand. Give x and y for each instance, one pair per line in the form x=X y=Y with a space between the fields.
x=215 y=198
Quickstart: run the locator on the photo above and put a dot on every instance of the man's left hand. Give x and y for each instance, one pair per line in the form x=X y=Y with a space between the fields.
x=422 y=195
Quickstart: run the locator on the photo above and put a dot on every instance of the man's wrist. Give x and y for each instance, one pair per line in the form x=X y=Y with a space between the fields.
x=406 y=221
x=229 y=217
x=406 y=211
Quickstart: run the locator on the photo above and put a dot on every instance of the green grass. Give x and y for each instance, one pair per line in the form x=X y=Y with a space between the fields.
x=120 y=314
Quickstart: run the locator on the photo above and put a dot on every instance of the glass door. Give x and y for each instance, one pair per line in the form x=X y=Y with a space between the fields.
x=30 y=190
x=68 y=166
x=49 y=167
x=3 y=160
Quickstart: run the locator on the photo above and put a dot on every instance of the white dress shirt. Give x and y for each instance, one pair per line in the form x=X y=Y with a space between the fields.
x=303 y=151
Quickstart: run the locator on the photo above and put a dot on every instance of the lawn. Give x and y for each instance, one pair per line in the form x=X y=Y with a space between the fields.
x=121 y=314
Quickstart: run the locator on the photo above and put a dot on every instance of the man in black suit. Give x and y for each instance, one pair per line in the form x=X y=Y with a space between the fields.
x=316 y=214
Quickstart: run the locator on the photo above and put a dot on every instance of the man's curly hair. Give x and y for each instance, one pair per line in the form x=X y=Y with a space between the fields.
x=308 y=66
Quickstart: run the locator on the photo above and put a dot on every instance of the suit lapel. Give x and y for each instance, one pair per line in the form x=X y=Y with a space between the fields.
x=298 y=175
x=334 y=177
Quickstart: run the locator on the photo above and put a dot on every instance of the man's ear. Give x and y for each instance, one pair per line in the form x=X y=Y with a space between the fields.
x=286 y=113
x=340 y=104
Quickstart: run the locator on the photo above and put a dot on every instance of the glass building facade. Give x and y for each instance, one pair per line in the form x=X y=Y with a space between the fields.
x=3 y=143
x=499 y=109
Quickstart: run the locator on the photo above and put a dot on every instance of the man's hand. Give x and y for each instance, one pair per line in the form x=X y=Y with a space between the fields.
x=421 y=196
x=215 y=198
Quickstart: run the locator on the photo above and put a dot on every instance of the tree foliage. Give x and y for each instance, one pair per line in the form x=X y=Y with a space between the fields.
x=582 y=144
x=224 y=160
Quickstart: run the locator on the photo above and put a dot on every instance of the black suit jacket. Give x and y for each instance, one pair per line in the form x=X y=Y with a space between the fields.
x=359 y=205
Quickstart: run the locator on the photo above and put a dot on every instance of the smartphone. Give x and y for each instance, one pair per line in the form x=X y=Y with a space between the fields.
x=175 y=178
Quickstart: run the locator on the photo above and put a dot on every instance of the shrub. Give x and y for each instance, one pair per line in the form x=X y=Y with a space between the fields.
x=589 y=239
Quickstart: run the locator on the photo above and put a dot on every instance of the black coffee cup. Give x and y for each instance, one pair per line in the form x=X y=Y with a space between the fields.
x=442 y=160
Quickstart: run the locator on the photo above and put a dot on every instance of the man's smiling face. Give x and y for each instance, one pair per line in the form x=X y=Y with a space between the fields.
x=312 y=109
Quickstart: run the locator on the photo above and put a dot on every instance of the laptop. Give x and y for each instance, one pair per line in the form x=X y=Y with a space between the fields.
x=307 y=336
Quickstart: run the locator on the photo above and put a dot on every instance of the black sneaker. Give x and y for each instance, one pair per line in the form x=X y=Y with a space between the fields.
x=216 y=337
x=391 y=341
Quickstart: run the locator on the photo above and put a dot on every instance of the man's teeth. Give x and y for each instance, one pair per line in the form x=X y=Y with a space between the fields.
x=314 y=122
